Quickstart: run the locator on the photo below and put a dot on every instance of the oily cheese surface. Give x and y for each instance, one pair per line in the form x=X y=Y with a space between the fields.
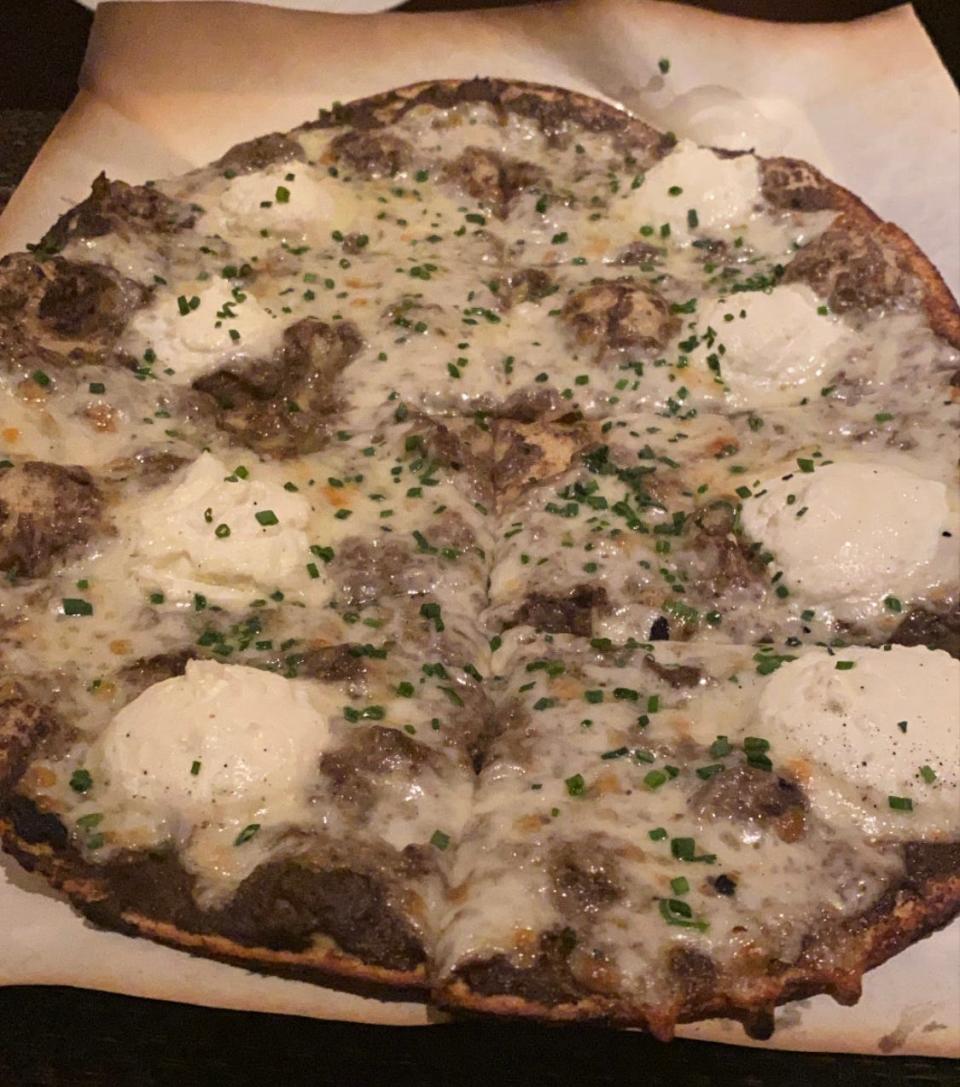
x=477 y=543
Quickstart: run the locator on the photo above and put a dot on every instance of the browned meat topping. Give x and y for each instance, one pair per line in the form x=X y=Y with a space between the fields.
x=280 y=406
x=257 y=154
x=125 y=209
x=936 y=630
x=852 y=270
x=570 y=614
x=492 y=179
x=372 y=154
x=619 y=313
x=45 y=510
x=795 y=186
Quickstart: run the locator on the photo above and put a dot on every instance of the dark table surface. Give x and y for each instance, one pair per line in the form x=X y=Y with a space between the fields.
x=54 y=1036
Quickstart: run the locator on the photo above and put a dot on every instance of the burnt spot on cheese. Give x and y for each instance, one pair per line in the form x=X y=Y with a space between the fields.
x=493 y=179
x=853 y=270
x=46 y=510
x=84 y=301
x=115 y=206
x=280 y=406
x=934 y=629
x=746 y=794
x=794 y=185
x=259 y=153
x=619 y=313
x=371 y=154
x=570 y=613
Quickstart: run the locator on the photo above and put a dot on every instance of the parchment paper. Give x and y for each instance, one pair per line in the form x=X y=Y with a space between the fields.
x=172 y=85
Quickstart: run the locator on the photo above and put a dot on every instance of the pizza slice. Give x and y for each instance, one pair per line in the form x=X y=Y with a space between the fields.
x=667 y=832
x=783 y=527
x=290 y=817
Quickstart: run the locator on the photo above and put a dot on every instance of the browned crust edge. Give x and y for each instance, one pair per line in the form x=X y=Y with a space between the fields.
x=379 y=110
x=918 y=914
x=913 y=916
x=318 y=964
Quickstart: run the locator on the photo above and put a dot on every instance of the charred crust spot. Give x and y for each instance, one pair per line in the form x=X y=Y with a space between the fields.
x=794 y=185
x=24 y=725
x=45 y=510
x=676 y=675
x=492 y=179
x=568 y=614
x=547 y=979
x=259 y=153
x=33 y=825
x=372 y=154
x=935 y=630
x=619 y=313
x=925 y=861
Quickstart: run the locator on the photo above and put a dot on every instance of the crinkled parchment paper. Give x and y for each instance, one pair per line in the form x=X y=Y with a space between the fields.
x=170 y=86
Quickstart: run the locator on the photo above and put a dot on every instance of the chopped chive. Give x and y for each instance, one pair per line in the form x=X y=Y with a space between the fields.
x=246 y=834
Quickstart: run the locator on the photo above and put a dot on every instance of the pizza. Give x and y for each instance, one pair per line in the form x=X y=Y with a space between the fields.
x=478 y=544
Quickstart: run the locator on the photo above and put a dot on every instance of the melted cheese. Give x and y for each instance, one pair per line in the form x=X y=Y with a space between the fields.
x=198 y=331
x=219 y=760
x=216 y=533
x=773 y=348
x=851 y=530
x=878 y=724
x=724 y=192
x=289 y=200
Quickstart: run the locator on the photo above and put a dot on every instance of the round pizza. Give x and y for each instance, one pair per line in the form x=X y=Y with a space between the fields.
x=476 y=542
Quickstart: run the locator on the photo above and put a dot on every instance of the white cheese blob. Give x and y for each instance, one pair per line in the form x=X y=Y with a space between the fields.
x=273 y=200
x=199 y=331
x=889 y=726
x=201 y=534
x=850 y=530
x=771 y=346
x=221 y=743
x=722 y=191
